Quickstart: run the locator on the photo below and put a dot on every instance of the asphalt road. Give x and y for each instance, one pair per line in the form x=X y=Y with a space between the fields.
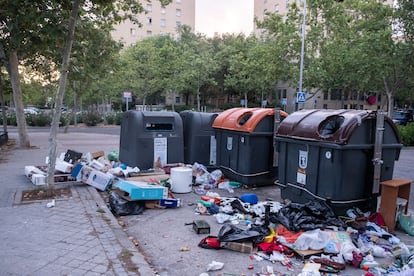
x=111 y=129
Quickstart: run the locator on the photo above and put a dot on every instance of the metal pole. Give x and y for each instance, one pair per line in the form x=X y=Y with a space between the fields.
x=302 y=50
x=377 y=160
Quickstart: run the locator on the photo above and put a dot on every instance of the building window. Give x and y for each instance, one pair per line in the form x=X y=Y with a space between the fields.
x=325 y=106
x=149 y=8
x=149 y=33
x=287 y=4
x=336 y=94
x=133 y=31
x=163 y=22
x=281 y=93
x=277 y=8
x=325 y=95
x=178 y=24
x=178 y=12
x=345 y=95
x=177 y=99
x=163 y=10
x=149 y=20
x=178 y=1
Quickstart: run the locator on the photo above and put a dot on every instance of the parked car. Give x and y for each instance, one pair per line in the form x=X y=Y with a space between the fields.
x=402 y=117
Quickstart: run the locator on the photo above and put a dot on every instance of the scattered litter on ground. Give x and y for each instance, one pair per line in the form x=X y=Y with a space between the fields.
x=282 y=233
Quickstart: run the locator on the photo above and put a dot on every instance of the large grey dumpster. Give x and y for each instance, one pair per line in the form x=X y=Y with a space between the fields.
x=327 y=155
x=147 y=136
x=199 y=138
x=245 y=145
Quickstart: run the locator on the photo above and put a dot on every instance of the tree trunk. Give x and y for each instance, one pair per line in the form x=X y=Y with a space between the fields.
x=60 y=94
x=198 y=99
x=18 y=100
x=3 y=107
x=390 y=98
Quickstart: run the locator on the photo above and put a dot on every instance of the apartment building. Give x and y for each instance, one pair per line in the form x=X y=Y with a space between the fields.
x=156 y=20
x=315 y=99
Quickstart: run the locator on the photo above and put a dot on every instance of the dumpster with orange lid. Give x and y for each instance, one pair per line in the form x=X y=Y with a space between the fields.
x=245 y=144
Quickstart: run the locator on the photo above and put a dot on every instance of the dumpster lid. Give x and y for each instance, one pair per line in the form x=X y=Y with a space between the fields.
x=243 y=119
x=335 y=126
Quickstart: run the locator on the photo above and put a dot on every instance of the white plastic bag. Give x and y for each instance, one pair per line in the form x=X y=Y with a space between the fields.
x=314 y=240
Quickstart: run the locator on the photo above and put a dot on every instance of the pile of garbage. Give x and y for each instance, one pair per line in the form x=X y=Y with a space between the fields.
x=279 y=233
x=274 y=231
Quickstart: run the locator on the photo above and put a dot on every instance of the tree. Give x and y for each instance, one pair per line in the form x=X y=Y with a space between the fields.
x=358 y=54
x=283 y=37
x=34 y=31
x=405 y=19
x=59 y=96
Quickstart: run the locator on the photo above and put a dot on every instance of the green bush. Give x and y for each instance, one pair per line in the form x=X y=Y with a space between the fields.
x=66 y=119
x=229 y=105
x=407 y=134
x=113 y=118
x=118 y=118
x=30 y=119
x=92 y=118
x=11 y=119
x=110 y=118
x=41 y=119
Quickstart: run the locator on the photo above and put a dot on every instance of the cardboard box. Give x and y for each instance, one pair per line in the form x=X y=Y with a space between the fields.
x=96 y=165
x=63 y=166
x=84 y=174
x=243 y=247
x=72 y=156
x=99 y=180
x=134 y=190
x=151 y=178
x=76 y=170
x=38 y=179
x=97 y=154
x=170 y=202
x=30 y=170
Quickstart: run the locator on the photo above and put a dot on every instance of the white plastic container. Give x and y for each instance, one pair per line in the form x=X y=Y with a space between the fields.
x=181 y=180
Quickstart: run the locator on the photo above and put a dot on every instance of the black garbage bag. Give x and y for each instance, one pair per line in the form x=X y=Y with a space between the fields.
x=231 y=233
x=311 y=215
x=123 y=207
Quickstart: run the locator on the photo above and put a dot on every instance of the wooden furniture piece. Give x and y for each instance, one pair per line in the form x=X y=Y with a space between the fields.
x=390 y=190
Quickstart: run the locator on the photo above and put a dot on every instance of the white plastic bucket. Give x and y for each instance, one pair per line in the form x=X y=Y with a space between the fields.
x=181 y=179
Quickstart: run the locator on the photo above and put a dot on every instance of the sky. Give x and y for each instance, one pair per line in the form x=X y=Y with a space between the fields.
x=224 y=16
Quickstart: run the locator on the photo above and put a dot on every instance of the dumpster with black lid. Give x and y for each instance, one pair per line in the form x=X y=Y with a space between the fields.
x=328 y=155
x=150 y=136
x=245 y=145
x=199 y=138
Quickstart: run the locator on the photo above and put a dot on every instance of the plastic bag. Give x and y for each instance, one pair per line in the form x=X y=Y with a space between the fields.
x=314 y=240
x=123 y=207
x=216 y=175
x=407 y=223
x=230 y=233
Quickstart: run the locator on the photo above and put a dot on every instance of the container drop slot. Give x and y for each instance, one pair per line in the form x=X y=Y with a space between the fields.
x=244 y=118
x=159 y=126
x=329 y=126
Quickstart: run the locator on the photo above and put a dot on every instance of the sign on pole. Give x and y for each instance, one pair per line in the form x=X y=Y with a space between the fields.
x=127 y=96
x=301 y=97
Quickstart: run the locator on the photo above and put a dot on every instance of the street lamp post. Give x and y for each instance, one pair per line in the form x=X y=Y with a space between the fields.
x=302 y=50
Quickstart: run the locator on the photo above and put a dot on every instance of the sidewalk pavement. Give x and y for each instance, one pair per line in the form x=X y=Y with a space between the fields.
x=79 y=236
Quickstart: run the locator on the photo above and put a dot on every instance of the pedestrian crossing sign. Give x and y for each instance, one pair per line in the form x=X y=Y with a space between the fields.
x=301 y=97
